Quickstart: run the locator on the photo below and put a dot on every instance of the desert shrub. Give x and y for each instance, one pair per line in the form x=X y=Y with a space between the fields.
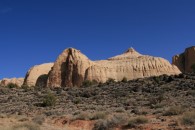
x=176 y=110
x=156 y=79
x=26 y=126
x=25 y=87
x=4 y=90
x=181 y=76
x=11 y=85
x=158 y=105
x=124 y=80
x=188 y=118
x=99 y=115
x=156 y=100
x=100 y=84
x=88 y=83
x=37 y=88
x=111 y=122
x=59 y=91
x=137 y=121
x=119 y=110
x=95 y=82
x=49 y=100
x=83 y=116
x=110 y=80
x=77 y=101
x=191 y=92
x=38 y=120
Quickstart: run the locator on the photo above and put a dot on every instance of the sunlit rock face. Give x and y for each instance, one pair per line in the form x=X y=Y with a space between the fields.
x=69 y=69
x=186 y=60
x=37 y=75
x=72 y=68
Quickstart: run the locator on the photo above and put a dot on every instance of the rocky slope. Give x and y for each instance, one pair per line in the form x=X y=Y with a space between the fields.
x=17 y=81
x=72 y=68
x=184 y=61
x=158 y=102
x=37 y=75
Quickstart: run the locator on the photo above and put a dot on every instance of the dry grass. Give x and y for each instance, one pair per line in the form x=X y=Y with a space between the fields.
x=188 y=118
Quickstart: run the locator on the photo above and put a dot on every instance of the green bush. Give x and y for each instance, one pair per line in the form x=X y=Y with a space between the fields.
x=188 y=118
x=124 y=80
x=88 y=83
x=49 y=100
x=110 y=80
x=11 y=85
x=157 y=79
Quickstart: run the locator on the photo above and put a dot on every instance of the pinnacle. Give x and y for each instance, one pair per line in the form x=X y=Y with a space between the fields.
x=131 y=50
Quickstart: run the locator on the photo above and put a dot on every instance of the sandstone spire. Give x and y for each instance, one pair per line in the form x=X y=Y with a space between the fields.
x=69 y=69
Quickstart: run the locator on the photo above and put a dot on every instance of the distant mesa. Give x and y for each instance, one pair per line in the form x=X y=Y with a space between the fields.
x=185 y=60
x=17 y=81
x=72 y=68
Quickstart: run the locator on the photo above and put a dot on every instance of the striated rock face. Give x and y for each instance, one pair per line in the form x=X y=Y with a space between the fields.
x=17 y=81
x=131 y=65
x=72 y=68
x=37 y=75
x=184 y=61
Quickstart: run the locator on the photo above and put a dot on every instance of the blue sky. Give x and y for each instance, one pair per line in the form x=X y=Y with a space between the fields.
x=37 y=31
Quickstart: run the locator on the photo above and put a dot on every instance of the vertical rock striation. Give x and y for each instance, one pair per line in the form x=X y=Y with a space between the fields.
x=184 y=61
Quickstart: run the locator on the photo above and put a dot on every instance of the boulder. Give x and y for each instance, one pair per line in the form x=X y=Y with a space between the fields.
x=72 y=68
x=185 y=60
x=37 y=75
x=17 y=81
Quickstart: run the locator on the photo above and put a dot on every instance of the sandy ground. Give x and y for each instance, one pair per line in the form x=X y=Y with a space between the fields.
x=62 y=123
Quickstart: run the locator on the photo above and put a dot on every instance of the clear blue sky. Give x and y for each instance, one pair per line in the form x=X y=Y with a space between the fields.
x=37 y=31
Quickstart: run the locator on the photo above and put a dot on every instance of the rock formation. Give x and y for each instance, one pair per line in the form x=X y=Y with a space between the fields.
x=37 y=75
x=69 y=69
x=184 y=61
x=17 y=81
x=72 y=68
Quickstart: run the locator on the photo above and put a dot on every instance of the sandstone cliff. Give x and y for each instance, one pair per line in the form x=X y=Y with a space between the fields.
x=72 y=68
x=69 y=69
x=17 y=81
x=184 y=61
x=37 y=75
